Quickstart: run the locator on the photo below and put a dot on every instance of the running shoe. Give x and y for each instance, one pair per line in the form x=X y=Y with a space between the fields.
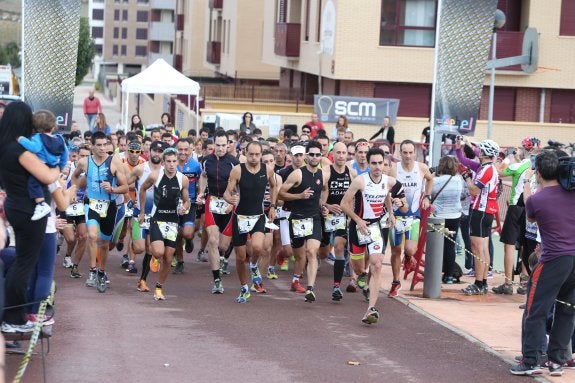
x=91 y=281
x=9 y=327
x=101 y=284
x=285 y=265
x=505 y=288
x=159 y=294
x=143 y=286
x=67 y=262
x=132 y=269
x=218 y=287
x=179 y=269
x=336 y=294
x=297 y=287
x=468 y=273
x=555 y=369
x=351 y=287
x=309 y=296
x=174 y=262
x=256 y=276
x=395 y=287
x=371 y=316
x=202 y=256
x=244 y=295
x=125 y=261
x=120 y=246
x=189 y=246
x=361 y=280
x=472 y=289
x=524 y=369
x=570 y=364
x=258 y=288
x=272 y=273
x=225 y=267
x=490 y=274
x=154 y=265
x=75 y=273
x=330 y=259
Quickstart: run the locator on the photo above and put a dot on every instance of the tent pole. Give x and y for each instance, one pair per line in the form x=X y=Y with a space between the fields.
x=197 y=114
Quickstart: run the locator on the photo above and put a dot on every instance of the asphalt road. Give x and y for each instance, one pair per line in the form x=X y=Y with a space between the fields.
x=125 y=336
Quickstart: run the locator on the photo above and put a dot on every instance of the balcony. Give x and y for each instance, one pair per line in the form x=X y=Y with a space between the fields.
x=162 y=31
x=287 y=39
x=509 y=44
x=213 y=50
x=216 y=4
x=168 y=57
x=163 y=4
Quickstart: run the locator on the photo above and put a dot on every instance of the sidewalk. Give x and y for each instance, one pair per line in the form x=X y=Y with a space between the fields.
x=492 y=321
x=111 y=109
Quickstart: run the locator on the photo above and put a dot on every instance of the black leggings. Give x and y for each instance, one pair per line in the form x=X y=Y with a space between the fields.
x=29 y=236
x=449 y=247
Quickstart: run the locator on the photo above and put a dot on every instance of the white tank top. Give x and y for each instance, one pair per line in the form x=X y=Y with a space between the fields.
x=413 y=185
x=373 y=197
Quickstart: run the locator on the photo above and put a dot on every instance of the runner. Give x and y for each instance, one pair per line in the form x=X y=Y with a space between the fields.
x=416 y=180
x=218 y=213
x=371 y=193
x=105 y=180
x=250 y=180
x=272 y=242
x=171 y=199
x=303 y=190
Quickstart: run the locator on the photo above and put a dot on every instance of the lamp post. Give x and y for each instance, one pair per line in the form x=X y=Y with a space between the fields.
x=497 y=24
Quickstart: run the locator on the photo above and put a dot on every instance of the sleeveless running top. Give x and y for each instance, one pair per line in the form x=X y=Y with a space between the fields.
x=284 y=174
x=305 y=208
x=358 y=171
x=337 y=185
x=149 y=193
x=132 y=192
x=252 y=189
x=370 y=203
x=413 y=187
x=167 y=193
x=218 y=172
x=95 y=175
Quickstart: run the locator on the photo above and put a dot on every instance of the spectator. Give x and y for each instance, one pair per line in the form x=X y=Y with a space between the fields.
x=314 y=125
x=247 y=124
x=101 y=125
x=341 y=123
x=137 y=123
x=92 y=107
x=387 y=133
x=18 y=165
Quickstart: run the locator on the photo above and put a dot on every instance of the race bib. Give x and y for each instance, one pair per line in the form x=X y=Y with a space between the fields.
x=246 y=223
x=403 y=224
x=373 y=234
x=100 y=206
x=384 y=221
x=302 y=227
x=129 y=212
x=169 y=230
x=146 y=223
x=218 y=205
x=76 y=209
x=334 y=222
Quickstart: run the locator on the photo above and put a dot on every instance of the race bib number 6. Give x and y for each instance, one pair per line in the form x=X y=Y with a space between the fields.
x=302 y=227
x=76 y=209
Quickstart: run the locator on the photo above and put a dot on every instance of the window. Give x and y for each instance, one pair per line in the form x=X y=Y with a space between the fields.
x=115 y=50
x=141 y=33
x=142 y=1
x=97 y=32
x=123 y=50
x=282 y=12
x=142 y=16
x=98 y=49
x=116 y=32
x=124 y=33
x=97 y=14
x=141 y=50
x=567 y=24
x=116 y=14
x=124 y=14
x=319 y=10
x=408 y=22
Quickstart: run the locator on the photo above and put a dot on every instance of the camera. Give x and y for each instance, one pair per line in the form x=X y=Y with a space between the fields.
x=459 y=138
x=566 y=173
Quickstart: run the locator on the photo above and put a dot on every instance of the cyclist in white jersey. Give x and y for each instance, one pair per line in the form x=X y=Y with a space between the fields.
x=417 y=180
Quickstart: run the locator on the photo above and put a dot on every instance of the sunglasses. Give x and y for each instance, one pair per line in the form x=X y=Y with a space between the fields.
x=314 y=154
x=386 y=153
x=134 y=151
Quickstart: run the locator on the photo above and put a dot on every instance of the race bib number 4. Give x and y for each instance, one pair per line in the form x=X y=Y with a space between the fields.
x=76 y=209
x=302 y=227
x=100 y=206
x=218 y=205
x=246 y=223
x=169 y=230
x=373 y=234
x=334 y=222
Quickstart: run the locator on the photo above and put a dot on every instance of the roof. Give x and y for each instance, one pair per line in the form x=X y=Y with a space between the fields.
x=160 y=78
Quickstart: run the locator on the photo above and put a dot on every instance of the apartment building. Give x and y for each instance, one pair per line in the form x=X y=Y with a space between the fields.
x=223 y=38
x=385 y=48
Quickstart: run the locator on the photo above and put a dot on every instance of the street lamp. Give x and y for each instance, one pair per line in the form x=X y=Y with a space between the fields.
x=497 y=24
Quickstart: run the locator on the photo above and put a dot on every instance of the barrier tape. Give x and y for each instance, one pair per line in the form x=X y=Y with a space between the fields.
x=35 y=334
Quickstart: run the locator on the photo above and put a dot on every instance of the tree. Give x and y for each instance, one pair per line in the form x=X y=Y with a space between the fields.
x=10 y=54
x=86 y=51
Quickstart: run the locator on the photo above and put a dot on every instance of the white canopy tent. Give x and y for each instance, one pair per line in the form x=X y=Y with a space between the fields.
x=160 y=78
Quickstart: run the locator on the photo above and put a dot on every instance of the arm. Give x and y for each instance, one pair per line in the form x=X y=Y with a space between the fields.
x=293 y=180
x=142 y=195
x=135 y=174
x=376 y=134
x=62 y=197
x=30 y=145
x=202 y=182
x=117 y=170
x=81 y=166
x=272 y=180
x=347 y=203
x=428 y=184
x=38 y=169
x=185 y=194
x=391 y=135
x=471 y=164
x=230 y=195
x=64 y=156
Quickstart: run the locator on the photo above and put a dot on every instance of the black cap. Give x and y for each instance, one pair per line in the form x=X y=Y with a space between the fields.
x=158 y=145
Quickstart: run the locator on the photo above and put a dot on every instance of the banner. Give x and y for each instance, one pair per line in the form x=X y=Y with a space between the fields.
x=462 y=46
x=50 y=33
x=358 y=110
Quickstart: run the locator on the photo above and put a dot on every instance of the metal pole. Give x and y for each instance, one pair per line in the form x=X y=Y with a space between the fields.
x=492 y=86
x=433 y=259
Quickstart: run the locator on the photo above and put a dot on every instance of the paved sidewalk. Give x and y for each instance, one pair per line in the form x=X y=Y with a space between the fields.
x=110 y=108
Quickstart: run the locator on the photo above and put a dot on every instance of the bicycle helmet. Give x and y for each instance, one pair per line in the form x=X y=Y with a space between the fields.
x=489 y=147
x=529 y=143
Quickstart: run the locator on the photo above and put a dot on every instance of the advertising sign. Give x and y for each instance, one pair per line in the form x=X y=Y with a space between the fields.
x=358 y=110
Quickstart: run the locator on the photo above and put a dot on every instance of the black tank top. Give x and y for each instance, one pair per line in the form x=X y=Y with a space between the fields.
x=284 y=174
x=167 y=193
x=304 y=208
x=252 y=190
x=337 y=185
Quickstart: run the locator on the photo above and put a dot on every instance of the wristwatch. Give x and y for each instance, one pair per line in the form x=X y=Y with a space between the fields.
x=428 y=197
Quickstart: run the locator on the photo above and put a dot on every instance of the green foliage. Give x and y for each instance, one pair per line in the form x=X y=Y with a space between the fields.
x=97 y=86
x=86 y=51
x=10 y=54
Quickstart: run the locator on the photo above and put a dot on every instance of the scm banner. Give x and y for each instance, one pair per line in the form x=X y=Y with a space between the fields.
x=358 y=110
